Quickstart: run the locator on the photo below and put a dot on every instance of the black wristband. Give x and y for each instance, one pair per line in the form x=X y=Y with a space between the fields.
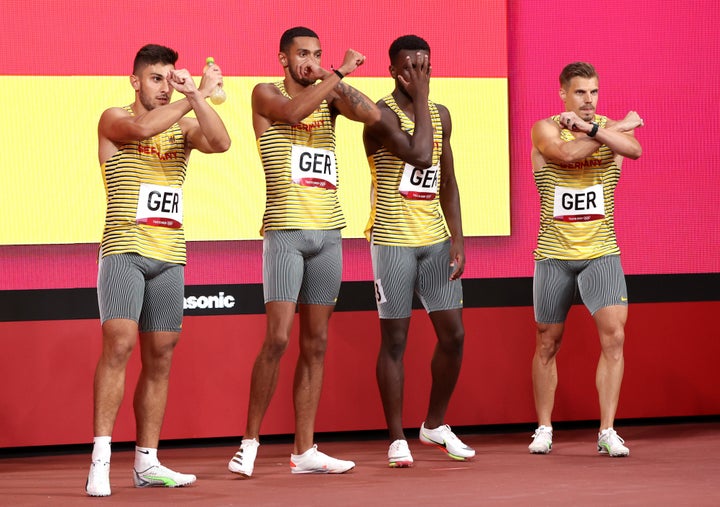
x=339 y=74
x=594 y=130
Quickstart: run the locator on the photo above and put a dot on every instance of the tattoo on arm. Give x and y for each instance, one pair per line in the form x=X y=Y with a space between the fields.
x=353 y=98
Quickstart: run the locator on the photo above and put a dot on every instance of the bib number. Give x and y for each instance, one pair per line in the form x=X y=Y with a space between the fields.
x=159 y=206
x=579 y=204
x=419 y=184
x=313 y=167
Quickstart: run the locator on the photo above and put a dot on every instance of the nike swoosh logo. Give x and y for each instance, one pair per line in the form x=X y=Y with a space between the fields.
x=144 y=452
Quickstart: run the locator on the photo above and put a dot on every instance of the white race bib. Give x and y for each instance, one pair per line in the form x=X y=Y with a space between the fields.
x=313 y=167
x=159 y=206
x=579 y=204
x=419 y=184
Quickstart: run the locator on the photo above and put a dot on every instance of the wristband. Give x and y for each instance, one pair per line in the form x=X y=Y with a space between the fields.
x=339 y=74
x=594 y=130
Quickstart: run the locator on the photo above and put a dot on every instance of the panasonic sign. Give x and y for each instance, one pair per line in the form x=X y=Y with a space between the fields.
x=207 y=302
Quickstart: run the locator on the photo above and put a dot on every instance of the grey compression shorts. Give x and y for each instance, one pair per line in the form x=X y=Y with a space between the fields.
x=148 y=291
x=302 y=266
x=599 y=281
x=400 y=270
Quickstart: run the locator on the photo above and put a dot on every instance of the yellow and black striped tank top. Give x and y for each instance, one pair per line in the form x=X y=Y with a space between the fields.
x=401 y=216
x=577 y=205
x=296 y=160
x=159 y=161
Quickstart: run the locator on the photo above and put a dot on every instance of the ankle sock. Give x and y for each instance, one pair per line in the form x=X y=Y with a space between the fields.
x=101 y=449
x=145 y=457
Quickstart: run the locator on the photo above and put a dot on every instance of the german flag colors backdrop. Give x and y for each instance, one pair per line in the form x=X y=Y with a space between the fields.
x=67 y=62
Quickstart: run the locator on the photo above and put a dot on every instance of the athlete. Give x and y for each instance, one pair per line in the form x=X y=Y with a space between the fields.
x=414 y=194
x=143 y=151
x=294 y=123
x=577 y=156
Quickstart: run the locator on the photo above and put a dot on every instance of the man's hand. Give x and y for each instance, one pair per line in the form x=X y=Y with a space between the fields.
x=211 y=79
x=457 y=260
x=352 y=61
x=569 y=120
x=182 y=81
x=419 y=76
x=631 y=121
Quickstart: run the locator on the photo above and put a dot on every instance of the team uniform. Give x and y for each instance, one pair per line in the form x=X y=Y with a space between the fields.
x=142 y=254
x=576 y=243
x=409 y=239
x=302 y=248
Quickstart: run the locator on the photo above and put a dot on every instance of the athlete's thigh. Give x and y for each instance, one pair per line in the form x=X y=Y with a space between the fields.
x=554 y=289
x=395 y=273
x=602 y=283
x=433 y=286
x=282 y=265
x=322 y=268
x=121 y=287
x=163 y=304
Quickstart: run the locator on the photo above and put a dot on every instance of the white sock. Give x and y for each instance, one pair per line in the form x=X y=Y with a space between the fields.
x=145 y=457
x=101 y=449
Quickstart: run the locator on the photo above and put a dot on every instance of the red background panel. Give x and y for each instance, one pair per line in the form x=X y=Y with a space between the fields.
x=101 y=37
x=46 y=372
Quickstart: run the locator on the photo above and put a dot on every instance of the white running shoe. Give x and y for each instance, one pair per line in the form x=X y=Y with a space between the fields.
x=158 y=475
x=443 y=438
x=313 y=461
x=542 y=440
x=243 y=462
x=609 y=442
x=98 y=481
x=399 y=454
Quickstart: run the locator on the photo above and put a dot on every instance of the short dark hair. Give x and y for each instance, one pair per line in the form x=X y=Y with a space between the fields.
x=151 y=54
x=411 y=42
x=576 y=69
x=298 y=31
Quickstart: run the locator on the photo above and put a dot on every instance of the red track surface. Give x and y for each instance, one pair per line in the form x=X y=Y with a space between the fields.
x=670 y=465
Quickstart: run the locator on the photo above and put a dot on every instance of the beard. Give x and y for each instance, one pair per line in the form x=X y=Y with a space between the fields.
x=148 y=102
x=298 y=78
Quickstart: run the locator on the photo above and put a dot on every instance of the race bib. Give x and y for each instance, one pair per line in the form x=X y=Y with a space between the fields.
x=579 y=204
x=313 y=167
x=159 y=206
x=419 y=184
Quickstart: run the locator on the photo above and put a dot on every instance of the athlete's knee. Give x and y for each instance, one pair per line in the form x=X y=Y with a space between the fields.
x=612 y=342
x=548 y=340
x=452 y=340
x=117 y=350
x=313 y=343
x=393 y=336
x=275 y=345
x=393 y=345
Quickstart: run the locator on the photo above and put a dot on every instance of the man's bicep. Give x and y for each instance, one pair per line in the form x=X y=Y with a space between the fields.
x=267 y=101
x=387 y=133
x=546 y=140
x=115 y=125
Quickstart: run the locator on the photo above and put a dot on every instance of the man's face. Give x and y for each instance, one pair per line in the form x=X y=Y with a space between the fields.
x=303 y=53
x=581 y=96
x=400 y=66
x=152 y=85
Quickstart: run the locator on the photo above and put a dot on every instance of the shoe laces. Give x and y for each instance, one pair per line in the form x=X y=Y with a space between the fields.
x=398 y=445
x=542 y=430
x=612 y=436
x=447 y=434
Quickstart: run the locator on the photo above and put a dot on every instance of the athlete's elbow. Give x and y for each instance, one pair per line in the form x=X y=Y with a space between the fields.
x=221 y=145
x=636 y=153
x=374 y=117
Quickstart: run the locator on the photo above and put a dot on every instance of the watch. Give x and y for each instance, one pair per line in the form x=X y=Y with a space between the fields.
x=594 y=129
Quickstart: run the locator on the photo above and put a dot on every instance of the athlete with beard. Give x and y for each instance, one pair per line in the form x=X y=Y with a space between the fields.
x=143 y=152
x=294 y=123
x=576 y=157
